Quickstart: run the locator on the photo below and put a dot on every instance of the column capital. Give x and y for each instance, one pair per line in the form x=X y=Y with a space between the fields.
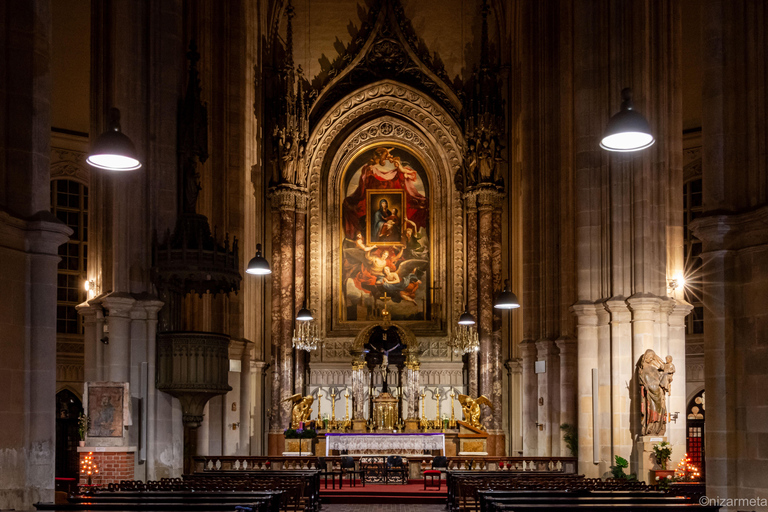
x=487 y=196
x=528 y=350
x=545 y=347
x=644 y=306
x=566 y=346
x=286 y=197
x=586 y=312
x=90 y=312
x=514 y=366
x=680 y=309
x=119 y=304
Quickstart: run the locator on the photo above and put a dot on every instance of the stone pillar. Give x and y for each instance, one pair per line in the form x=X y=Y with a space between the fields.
x=470 y=292
x=300 y=279
x=287 y=205
x=530 y=399
x=152 y=308
x=568 y=382
x=119 y=347
x=587 y=357
x=515 y=397
x=677 y=401
x=623 y=407
x=91 y=337
x=244 y=446
x=276 y=326
x=491 y=380
x=544 y=437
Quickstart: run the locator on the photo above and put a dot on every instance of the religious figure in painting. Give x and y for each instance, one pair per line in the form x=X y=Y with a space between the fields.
x=385 y=225
x=655 y=377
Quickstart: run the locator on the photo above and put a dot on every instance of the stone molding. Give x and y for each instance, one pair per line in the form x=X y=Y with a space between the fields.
x=732 y=231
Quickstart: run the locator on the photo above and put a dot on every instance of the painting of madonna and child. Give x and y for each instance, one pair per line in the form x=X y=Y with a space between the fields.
x=385 y=251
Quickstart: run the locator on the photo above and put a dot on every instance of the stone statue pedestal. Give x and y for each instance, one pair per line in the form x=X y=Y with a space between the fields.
x=646 y=457
x=472 y=440
x=358 y=425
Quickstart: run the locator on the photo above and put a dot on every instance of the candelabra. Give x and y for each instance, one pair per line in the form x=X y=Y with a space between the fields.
x=319 y=402
x=437 y=399
x=423 y=423
x=452 y=421
x=465 y=340
x=306 y=336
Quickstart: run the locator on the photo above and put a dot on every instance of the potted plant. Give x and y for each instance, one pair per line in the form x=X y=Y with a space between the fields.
x=299 y=440
x=82 y=427
x=571 y=438
x=326 y=420
x=662 y=452
x=617 y=470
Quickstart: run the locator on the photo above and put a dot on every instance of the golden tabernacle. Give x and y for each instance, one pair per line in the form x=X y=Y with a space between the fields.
x=385 y=414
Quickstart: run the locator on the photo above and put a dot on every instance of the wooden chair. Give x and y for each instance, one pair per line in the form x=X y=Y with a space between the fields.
x=396 y=466
x=348 y=468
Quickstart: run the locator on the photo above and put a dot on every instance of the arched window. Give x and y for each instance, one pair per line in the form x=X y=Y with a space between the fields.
x=69 y=203
x=692 y=209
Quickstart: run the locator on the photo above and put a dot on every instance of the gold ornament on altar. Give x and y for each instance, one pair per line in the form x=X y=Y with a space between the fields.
x=471 y=408
x=452 y=421
x=302 y=408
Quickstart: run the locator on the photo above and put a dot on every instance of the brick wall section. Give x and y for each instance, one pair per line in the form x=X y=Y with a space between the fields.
x=113 y=467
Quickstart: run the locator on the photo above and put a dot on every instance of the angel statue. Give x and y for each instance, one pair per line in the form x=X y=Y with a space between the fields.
x=302 y=408
x=471 y=408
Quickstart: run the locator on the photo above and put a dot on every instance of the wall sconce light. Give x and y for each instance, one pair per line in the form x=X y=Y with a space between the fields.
x=673 y=416
x=235 y=425
x=677 y=282
x=540 y=425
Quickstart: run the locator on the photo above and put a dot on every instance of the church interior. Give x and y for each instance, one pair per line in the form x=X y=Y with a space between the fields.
x=508 y=236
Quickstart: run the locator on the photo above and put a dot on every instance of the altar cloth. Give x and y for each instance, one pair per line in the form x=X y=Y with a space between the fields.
x=384 y=443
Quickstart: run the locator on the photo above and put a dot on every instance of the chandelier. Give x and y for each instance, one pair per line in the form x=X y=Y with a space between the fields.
x=465 y=339
x=306 y=336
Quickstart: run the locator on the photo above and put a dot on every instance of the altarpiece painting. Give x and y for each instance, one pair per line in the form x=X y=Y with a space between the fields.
x=385 y=224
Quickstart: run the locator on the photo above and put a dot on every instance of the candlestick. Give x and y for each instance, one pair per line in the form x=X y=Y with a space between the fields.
x=346 y=406
x=319 y=416
x=437 y=399
x=452 y=423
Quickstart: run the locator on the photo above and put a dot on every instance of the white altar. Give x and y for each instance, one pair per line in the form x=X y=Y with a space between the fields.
x=384 y=443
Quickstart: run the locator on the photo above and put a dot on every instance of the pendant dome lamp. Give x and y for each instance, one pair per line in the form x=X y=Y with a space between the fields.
x=304 y=314
x=258 y=265
x=506 y=299
x=466 y=317
x=113 y=150
x=627 y=130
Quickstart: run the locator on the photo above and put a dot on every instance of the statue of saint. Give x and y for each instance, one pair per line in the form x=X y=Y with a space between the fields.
x=302 y=408
x=471 y=408
x=655 y=378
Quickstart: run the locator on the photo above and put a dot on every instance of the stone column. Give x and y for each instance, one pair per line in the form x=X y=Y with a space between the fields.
x=677 y=401
x=545 y=349
x=530 y=398
x=587 y=342
x=470 y=292
x=568 y=381
x=152 y=308
x=276 y=324
x=91 y=337
x=244 y=447
x=119 y=306
x=514 y=396
x=287 y=204
x=301 y=198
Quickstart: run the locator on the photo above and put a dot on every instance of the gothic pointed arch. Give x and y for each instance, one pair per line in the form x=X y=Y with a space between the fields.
x=385 y=112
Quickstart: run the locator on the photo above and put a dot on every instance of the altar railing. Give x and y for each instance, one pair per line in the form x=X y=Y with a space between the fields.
x=566 y=465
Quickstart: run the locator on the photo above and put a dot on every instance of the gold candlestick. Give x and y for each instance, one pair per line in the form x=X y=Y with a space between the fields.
x=319 y=416
x=333 y=409
x=423 y=422
x=452 y=422
x=437 y=399
x=346 y=407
